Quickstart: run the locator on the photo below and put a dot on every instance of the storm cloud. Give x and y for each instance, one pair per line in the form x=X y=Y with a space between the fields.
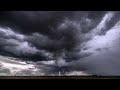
x=70 y=38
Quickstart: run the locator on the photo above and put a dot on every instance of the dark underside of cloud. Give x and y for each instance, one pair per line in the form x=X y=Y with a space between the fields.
x=62 y=36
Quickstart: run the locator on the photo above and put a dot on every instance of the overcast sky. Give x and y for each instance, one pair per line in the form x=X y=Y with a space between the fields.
x=78 y=40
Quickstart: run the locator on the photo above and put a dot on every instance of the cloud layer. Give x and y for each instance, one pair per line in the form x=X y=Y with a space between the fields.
x=74 y=39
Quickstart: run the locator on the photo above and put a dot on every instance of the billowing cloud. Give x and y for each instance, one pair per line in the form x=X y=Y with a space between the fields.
x=66 y=37
x=15 y=44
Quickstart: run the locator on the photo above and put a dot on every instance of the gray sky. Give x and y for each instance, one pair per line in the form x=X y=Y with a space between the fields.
x=78 y=40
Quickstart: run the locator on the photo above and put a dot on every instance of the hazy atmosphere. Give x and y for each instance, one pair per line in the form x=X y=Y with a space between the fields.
x=59 y=43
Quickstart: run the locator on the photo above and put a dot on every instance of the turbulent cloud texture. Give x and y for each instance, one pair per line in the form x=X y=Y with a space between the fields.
x=74 y=40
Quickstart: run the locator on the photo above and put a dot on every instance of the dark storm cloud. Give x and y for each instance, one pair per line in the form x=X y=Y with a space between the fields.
x=14 y=44
x=104 y=61
x=42 y=21
x=54 y=35
x=33 y=21
x=54 y=31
